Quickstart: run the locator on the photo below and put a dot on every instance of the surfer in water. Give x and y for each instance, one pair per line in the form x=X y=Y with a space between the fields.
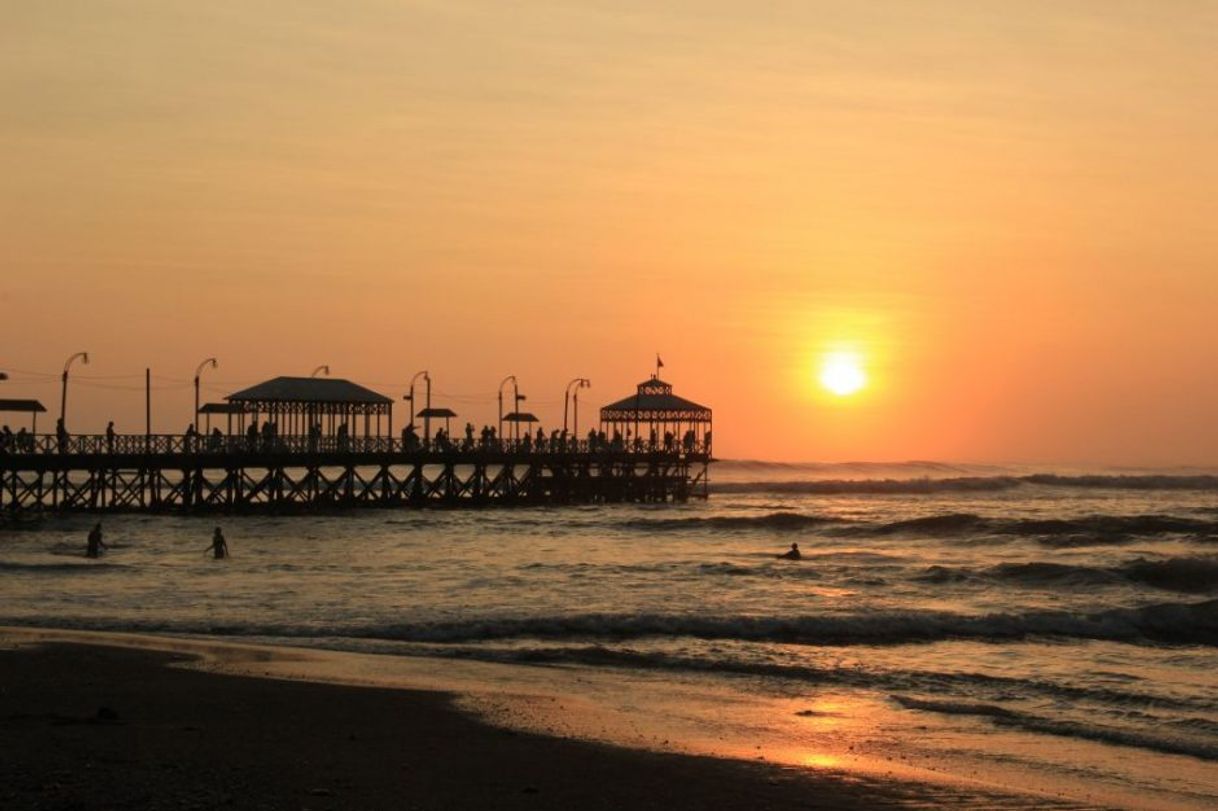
x=219 y=546
x=791 y=554
x=95 y=545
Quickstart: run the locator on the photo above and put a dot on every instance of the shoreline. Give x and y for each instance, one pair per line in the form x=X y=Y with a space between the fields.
x=170 y=717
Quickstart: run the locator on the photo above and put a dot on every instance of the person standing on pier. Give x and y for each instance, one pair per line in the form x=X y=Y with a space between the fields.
x=61 y=435
x=95 y=545
x=110 y=437
x=219 y=546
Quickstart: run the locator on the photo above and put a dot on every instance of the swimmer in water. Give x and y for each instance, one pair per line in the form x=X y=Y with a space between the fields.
x=219 y=546
x=95 y=545
x=791 y=554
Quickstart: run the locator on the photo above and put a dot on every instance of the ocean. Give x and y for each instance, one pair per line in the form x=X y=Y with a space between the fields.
x=1055 y=632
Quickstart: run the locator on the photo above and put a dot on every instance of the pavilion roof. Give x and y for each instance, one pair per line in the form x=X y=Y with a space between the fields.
x=309 y=390
x=220 y=408
x=654 y=400
x=22 y=406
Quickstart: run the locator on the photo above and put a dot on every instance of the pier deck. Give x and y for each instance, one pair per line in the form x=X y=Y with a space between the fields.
x=234 y=473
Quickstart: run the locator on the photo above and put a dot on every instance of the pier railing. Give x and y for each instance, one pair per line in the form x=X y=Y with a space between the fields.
x=224 y=445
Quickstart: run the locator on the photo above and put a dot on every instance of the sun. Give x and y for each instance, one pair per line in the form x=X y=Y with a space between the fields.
x=842 y=373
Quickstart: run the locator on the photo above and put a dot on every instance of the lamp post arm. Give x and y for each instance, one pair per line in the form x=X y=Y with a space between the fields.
x=198 y=373
x=63 y=398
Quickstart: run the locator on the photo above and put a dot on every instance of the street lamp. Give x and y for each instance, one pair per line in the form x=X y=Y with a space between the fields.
x=578 y=383
x=63 y=400
x=199 y=371
x=426 y=420
x=516 y=391
x=322 y=368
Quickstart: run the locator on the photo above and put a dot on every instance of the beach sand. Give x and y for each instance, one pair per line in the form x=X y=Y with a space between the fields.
x=86 y=726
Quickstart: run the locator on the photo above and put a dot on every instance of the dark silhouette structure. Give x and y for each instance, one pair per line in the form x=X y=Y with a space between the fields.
x=31 y=407
x=293 y=404
x=305 y=443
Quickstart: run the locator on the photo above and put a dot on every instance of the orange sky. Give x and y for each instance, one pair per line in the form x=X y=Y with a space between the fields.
x=1005 y=209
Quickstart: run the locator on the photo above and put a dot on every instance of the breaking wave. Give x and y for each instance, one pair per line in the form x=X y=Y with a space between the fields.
x=776 y=521
x=1192 y=575
x=1094 y=528
x=1084 y=531
x=1163 y=623
x=1070 y=729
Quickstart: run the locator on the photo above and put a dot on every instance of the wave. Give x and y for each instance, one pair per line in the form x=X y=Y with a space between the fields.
x=1168 y=623
x=835 y=487
x=1196 y=574
x=1190 y=575
x=996 y=687
x=1084 y=531
x=915 y=466
x=776 y=521
x=1003 y=716
x=85 y=565
x=1163 y=623
x=957 y=484
x=1092 y=529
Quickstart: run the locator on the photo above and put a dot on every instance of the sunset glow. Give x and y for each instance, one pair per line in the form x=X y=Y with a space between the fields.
x=558 y=190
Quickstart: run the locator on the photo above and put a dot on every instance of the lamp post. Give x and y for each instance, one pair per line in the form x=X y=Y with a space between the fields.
x=323 y=368
x=63 y=400
x=517 y=393
x=199 y=371
x=426 y=420
x=578 y=383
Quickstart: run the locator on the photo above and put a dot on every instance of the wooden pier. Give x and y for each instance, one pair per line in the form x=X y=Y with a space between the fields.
x=337 y=450
x=230 y=474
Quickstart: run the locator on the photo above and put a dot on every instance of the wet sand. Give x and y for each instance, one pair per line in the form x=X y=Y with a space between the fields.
x=102 y=727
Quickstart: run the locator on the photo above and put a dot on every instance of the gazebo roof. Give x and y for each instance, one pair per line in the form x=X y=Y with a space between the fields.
x=654 y=400
x=309 y=390
x=220 y=408
x=22 y=406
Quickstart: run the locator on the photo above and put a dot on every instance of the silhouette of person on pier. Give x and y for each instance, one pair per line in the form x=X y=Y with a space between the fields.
x=110 y=437
x=94 y=546
x=792 y=553
x=61 y=435
x=219 y=546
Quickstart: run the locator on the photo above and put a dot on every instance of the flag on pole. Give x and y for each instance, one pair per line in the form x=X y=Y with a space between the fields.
x=659 y=364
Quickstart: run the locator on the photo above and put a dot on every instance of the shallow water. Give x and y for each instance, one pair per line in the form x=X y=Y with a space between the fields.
x=1059 y=632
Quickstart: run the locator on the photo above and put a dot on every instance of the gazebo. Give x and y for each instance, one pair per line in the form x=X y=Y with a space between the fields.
x=296 y=403
x=654 y=411
x=31 y=407
x=228 y=410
